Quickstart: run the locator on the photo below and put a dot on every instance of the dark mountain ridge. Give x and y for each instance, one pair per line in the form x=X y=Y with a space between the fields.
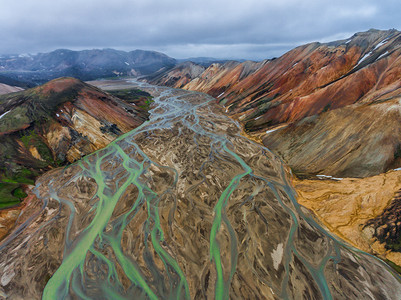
x=205 y=61
x=84 y=65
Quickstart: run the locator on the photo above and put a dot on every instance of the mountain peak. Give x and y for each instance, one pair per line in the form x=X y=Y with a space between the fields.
x=60 y=84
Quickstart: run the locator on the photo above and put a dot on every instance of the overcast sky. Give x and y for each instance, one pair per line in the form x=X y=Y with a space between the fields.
x=246 y=29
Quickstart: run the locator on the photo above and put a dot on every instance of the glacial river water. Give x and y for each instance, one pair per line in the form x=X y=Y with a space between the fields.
x=182 y=207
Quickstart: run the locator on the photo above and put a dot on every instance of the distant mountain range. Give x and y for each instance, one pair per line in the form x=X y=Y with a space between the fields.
x=205 y=61
x=31 y=70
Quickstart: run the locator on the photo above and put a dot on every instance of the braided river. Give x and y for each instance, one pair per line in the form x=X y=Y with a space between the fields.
x=182 y=207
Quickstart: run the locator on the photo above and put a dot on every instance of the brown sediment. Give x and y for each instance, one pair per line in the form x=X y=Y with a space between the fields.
x=347 y=206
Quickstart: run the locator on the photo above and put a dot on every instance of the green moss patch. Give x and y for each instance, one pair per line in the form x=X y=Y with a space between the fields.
x=11 y=194
x=31 y=138
x=14 y=120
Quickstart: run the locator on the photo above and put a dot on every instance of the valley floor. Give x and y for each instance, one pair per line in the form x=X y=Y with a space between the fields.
x=183 y=206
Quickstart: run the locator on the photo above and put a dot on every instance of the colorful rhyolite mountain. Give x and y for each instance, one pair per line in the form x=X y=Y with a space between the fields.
x=53 y=125
x=361 y=74
x=332 y=110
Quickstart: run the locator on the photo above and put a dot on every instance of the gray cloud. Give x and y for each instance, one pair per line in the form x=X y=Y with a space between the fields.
x=249 y=29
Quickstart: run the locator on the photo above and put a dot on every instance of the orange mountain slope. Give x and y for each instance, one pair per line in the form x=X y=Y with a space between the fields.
x=311 y=80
